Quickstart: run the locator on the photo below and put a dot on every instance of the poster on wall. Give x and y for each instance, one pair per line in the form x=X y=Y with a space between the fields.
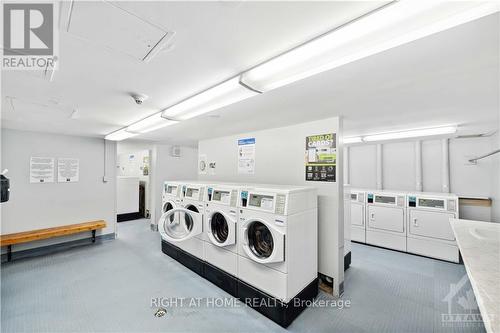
x=68 y=170
x=202 y=164
x=321 y=158
x=41 y=170
x=246 y=156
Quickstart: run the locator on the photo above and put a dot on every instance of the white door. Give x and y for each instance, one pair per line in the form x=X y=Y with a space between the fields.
x=221 y=228
x=179 y=224
x=431 y=224
x=357 y=215
x=386 y=218
x=262 y=242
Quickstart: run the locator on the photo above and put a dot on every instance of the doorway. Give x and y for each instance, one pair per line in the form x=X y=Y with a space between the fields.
x=133 y=185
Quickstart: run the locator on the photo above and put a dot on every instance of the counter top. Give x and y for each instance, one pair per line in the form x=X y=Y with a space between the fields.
x=479 y=244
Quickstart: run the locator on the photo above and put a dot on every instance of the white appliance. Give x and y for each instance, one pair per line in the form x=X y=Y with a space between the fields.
x=178 y=225
x=429 y=229
x=347 y=226
x=221 y=217
x=386 y=219
x=357 y=210
x=278 y=240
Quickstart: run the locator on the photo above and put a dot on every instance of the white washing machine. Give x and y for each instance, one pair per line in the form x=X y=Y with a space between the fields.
x=386 y=219
x=221 y=217
x=429 y=229
x=278 y=242
x=178 y=227
x=194 y=199
x=347 y=226
x=357 y=210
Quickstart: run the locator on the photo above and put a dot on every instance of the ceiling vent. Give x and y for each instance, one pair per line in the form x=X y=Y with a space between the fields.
x=106 y=24
x=19 y=109
x=176 y=151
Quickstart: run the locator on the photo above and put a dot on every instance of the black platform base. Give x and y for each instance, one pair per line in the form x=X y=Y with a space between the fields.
x=347 y=261
x=221 y=279
x=188 y=260
x=281 y=313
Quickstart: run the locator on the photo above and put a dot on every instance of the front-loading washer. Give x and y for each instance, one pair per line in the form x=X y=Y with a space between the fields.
x=278 y=249
x=221 y=217
x=179 y=228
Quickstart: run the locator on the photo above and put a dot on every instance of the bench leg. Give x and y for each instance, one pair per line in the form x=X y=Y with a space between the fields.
x=93 y=236
x=9 y=253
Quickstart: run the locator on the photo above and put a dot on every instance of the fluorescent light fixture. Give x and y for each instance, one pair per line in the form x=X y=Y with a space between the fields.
x=224 y=94
x=150 y=123
x=393 y=25
x=119 y=135
x=411 y=133
x=355 y=139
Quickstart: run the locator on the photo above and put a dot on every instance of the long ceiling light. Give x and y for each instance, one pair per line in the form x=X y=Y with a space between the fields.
x=119 y=135
x=150 y=123
x=395 y=24
x=414 y=133
x=226 y=93
x=356 y=139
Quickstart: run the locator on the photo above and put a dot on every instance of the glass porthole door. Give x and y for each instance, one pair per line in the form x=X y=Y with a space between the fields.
x=221 y=229
x=262 y=242
x=179 y=224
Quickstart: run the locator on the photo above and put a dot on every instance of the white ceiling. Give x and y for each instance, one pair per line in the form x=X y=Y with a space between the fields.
x=450 y=77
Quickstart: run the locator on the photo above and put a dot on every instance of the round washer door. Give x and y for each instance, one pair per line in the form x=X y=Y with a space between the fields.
x=179 y=224
x=221 y=229
x=263 y=243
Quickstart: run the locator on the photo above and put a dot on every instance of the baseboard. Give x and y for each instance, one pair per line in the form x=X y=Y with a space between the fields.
x=129 y=217
x=221 y=279
x=281 y=313
x=48 y=249
x=347 y=261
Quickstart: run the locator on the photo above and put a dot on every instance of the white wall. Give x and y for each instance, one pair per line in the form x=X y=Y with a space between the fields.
x=280 y=160
x=399 y=169
x=35 y=206
x=163 y=167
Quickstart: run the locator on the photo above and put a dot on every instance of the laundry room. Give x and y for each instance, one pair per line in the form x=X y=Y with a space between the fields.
x=236 y=166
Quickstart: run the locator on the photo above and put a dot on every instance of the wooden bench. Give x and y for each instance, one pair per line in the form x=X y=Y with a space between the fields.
x=34 y=235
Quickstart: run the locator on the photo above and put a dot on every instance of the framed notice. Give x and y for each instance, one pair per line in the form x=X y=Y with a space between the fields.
x=68 y=170
x=246 y=156
x=41 y=170
x=321 y=158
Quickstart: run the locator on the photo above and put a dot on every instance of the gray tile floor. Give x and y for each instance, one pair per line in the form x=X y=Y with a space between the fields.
x=108 y=287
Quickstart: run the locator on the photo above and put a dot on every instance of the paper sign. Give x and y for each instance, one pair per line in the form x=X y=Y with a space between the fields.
x=41 y=170
x=68 y=170
x=246 y=156
x=321 y=157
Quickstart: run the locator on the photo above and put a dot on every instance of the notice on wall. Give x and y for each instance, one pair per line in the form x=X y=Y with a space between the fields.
x=321 y=158
x=246 y=156
x=42 y=170
x=68 y=170
x=202 y=164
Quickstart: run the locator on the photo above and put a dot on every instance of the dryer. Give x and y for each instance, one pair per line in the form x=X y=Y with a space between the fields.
x=221 y=217
x=178 y=228
x=357 y=210
x=386 y=219
x=278 y=248
x=429 y=229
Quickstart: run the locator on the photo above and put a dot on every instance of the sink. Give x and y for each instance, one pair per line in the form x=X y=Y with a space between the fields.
x=484 y=233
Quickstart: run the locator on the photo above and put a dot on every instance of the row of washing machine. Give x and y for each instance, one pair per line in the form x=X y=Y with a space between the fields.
x=417 y=223
x=257 y=242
